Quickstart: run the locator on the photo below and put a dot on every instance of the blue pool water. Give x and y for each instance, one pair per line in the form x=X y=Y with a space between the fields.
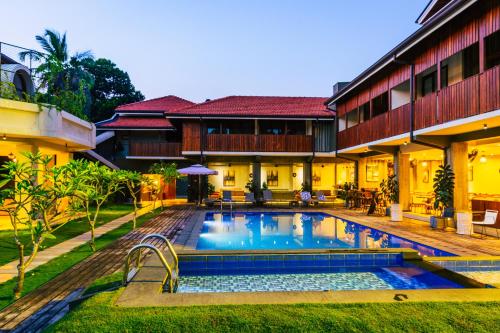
x=308 y=230
x=304 y=272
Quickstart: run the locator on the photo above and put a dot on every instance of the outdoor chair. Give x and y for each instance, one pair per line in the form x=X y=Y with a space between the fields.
x=227 y=196
x=250 y=197
x=307 y=199
x=323 y=197
x=490 y=218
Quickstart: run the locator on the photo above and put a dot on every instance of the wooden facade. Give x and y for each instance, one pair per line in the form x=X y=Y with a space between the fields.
x=474 y=95
x=155 y=148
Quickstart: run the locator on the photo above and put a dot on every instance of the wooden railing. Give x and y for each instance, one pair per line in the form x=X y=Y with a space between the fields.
x=489 y=84
x=258 y=143
x=459 y=100
x=426 y=111
x=151 y=148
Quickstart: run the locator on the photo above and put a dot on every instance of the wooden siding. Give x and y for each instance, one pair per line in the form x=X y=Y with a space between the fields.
x=259 y=143
x=472 y=96
x=151 y=148
x=191 y=136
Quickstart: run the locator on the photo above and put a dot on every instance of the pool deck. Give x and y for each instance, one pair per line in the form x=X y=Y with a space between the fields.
x=415 y=230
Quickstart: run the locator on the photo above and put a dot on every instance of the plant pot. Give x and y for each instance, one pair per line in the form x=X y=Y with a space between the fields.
x=449 y=224
x=396 y=213
x=438 y=222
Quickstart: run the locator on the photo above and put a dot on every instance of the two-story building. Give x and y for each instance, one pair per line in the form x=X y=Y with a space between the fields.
x=433 y=98
x=283 y=142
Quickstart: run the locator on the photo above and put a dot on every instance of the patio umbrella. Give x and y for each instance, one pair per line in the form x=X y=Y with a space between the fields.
x=197 y=170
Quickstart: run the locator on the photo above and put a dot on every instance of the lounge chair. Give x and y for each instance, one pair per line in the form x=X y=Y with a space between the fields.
x=250 y=197
x=307 y=199
x=288 y=197
x=227 y=196
x=490 y=218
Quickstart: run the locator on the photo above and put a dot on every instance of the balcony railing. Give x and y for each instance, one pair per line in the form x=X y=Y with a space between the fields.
x=259 y=143
x=152 y=148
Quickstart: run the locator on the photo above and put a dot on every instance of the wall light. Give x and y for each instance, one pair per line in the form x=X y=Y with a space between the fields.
x=405 y=143
x=424 y=164
x=483 y=159
x=4 y=137
x=485 y=126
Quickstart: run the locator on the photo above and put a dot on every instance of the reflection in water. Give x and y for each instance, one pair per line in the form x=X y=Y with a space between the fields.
x=295 y=231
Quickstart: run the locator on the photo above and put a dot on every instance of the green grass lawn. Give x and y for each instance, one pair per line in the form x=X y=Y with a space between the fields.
x=98 y=314
x=8 y=249
x=48 y=271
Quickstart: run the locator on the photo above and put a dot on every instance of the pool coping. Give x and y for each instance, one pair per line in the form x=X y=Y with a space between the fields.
x=297 y=297
x=190 y=235
x=145 y=288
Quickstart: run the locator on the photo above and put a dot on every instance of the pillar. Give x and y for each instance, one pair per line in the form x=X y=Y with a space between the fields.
x=402 y=171
x=458 y=160
x=256 y=178
x=307 y=172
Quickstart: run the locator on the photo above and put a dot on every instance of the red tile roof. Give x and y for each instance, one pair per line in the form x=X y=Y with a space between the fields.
x=259 y=106
x=137 y=122
x=161 y=104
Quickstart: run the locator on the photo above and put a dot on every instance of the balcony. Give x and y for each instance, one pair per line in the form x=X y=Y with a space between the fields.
x=156 y=149
x=259 y=143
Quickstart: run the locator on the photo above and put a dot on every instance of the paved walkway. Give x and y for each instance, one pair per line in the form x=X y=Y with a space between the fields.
x=462 y=245
x=36 y=310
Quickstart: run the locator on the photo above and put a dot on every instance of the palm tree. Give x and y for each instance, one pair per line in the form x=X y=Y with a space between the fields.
x=58 y=71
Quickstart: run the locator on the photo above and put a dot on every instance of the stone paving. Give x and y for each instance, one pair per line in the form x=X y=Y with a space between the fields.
x=462 y=245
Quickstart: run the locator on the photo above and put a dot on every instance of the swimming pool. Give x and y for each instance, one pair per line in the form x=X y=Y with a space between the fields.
x=305 y=272
x=306 y=230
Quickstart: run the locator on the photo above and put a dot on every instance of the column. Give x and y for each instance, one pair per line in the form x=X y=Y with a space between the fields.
x=402 y=170
x=256 y=166
x=307 y=172
x=458 y=160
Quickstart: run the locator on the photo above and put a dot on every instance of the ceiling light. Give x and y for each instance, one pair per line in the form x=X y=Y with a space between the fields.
x=4 y=137
x=424 y=164
x=485 y=126
x=405 y=143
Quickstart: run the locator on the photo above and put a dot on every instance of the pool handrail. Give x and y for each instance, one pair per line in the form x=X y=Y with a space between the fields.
x=169 y=246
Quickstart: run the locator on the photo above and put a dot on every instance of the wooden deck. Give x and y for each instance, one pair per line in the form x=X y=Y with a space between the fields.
x=36 y=310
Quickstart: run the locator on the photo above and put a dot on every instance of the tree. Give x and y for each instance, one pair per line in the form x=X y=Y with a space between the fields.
x=133 y=180
x=93 y=185
x=112 y=87
x=168 y=174
x=33 y=200
x=62 y=76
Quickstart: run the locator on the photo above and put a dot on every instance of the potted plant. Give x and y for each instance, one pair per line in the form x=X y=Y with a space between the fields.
x=393 y=195
x=385 y=196
x=444 y=184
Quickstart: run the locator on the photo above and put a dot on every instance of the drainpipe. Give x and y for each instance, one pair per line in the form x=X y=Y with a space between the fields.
x=412 y=105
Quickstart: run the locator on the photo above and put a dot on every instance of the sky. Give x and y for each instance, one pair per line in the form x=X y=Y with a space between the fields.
x=208 y=49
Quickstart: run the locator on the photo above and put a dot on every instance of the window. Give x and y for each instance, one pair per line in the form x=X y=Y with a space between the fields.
x=364 y=112
x=428 y=84
x=352 y=118
x=213 y=127
x=342 y=123
x=400 y=95
x=380 y=104
x=492 y=50
x=470 y=61
x=296 y=127
x=272 y=127
x=243 y=126
x=460 y=66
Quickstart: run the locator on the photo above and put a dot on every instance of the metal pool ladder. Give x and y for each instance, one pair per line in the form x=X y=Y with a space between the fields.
x=171 y=280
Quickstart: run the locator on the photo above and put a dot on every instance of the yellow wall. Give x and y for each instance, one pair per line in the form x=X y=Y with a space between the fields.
x=326 y=171
x=242 y=172
x=380 y=166
x=485 y=176
x=418 y=175
x=285 y=179
x=345 y=173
